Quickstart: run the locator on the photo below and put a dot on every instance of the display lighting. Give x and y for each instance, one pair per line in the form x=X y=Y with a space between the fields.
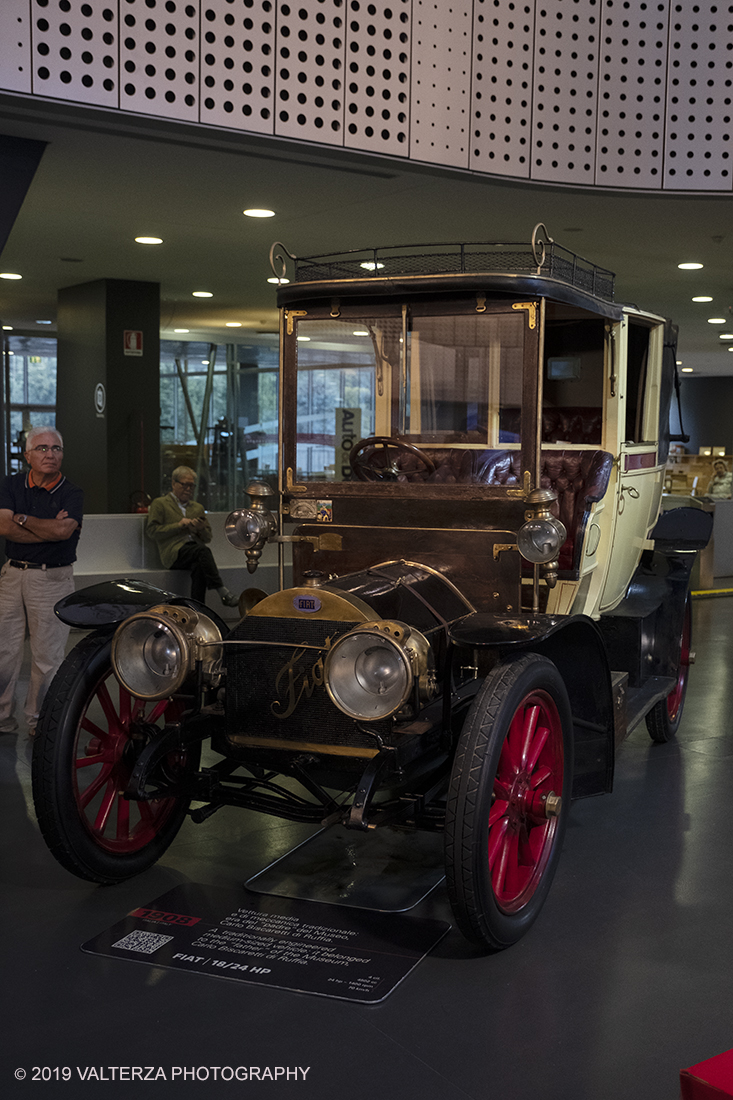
x=234 y=324
x=303 y=338
x=716 y=320
x=148 y=240
x=359 y=332
x=370 y=265
x=202 y=294
x=44 y=322
x=255 y=213
x=10 y=275
x=702 y=298
x=725 y=335
x=688 y=370
x=7 y=328
x=689 y=267
x=181 y=329
x=278 y=282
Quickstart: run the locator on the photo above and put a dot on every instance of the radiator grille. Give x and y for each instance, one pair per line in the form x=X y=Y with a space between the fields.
x=274 y=691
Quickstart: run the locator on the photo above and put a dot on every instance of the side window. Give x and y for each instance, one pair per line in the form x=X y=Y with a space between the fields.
x=572 y=401
x=637 y=368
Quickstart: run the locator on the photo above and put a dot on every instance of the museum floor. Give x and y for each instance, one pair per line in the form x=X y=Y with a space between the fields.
x=626 y=977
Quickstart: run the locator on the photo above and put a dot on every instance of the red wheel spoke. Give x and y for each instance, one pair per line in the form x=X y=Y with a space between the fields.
x=528 y=727
x=498 y=810
x=86 y=796
x=100 y=822
x=508 y=762
x=158 y=710
x=108 y=707
x=535 y=749
x=85 y=761
x=92 y=727
x=506 y=857
x=542 y=775
x=123 y=818
x=496 y=839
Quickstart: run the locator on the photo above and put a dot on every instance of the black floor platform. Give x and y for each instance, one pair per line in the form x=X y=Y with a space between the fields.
x=626 y=977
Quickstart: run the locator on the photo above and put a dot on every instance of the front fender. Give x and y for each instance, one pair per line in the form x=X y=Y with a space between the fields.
x=111 y=602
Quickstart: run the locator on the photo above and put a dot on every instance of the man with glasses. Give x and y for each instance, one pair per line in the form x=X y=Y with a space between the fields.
x=179 y=526
x=40 y=519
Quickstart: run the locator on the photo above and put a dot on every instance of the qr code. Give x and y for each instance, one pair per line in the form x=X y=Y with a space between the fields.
x=146 y=943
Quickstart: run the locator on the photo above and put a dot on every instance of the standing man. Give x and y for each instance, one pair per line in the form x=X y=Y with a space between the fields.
x=40 y=519
x=179 y=525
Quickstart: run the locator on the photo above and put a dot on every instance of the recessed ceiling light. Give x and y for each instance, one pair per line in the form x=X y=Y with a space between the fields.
x=149 y=240
x=10 y=275
x=202 y=294
x=255 y=213
x=7 y=328
x=687 y=370
x=234 y=324
x=181 y=329
x=204 y=362
x=278 y=282
x=716 y=320
x=370 y=265
x=44 y=322
x=689 y=267
x=702 y=298
x=359 y=332
x=305 y=338
x=725 y=335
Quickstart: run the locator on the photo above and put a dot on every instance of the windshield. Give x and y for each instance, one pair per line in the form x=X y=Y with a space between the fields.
x=426 y=382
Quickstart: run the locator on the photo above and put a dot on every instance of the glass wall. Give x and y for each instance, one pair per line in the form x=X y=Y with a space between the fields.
x=29 y=367
x=219 y=416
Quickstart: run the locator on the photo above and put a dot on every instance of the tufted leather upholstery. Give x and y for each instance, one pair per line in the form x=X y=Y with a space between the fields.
x=571 y=424
x=580 y=478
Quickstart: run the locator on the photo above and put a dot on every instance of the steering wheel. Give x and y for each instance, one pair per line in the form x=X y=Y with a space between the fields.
x=375 y=458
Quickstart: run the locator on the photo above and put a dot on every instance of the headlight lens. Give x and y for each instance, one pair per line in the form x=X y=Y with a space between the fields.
x=154 y=652
x=540 y=540
x=369 y=673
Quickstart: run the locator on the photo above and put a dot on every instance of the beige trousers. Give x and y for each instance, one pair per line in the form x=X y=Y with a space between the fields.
x=27 y=598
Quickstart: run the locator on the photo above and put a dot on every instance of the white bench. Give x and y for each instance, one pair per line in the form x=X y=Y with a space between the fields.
x=114 y=546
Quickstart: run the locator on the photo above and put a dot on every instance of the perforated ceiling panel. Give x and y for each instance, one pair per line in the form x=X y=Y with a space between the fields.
x=630 y=144
x=503 y=41
x=565 y=87
x=15 y=45
x=616 y=93
x=441 y=81
x=699 y=96
x=310 y=70
x=159 y=57
x=238 y=64
x=378 y=76
x=75 y=50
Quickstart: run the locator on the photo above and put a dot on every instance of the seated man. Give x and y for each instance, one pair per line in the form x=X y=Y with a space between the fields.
x=180 y=528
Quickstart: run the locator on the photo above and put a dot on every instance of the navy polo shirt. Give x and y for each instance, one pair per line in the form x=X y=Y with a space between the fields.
x=20 y=496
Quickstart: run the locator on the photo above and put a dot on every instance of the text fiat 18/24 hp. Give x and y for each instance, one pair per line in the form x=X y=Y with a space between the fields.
x=484 y=597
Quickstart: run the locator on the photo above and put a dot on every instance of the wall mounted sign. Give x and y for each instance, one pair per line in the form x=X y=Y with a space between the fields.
x=100 y=399
x=133 y=342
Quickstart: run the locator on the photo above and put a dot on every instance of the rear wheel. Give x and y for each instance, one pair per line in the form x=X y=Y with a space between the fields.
x=664 y=718
x=90 y=733
x=508 y=801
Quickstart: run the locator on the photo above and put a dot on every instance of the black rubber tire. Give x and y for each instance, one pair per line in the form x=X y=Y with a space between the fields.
x=663 y=720
x=75 y=737
x=509 y=690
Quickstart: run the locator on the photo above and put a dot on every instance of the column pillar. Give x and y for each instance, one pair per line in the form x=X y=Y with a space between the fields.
x=108 y=390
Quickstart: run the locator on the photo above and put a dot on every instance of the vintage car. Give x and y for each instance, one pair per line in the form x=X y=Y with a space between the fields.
x=484 y=598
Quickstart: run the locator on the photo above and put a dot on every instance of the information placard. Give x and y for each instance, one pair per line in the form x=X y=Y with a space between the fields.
x=287 y=943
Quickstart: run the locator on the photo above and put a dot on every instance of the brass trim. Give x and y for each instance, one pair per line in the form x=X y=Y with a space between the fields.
x=531 y=308
x=499 y=548
x=290 y=485
x=290 y=314
x=336 y=606
x=300 y=746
